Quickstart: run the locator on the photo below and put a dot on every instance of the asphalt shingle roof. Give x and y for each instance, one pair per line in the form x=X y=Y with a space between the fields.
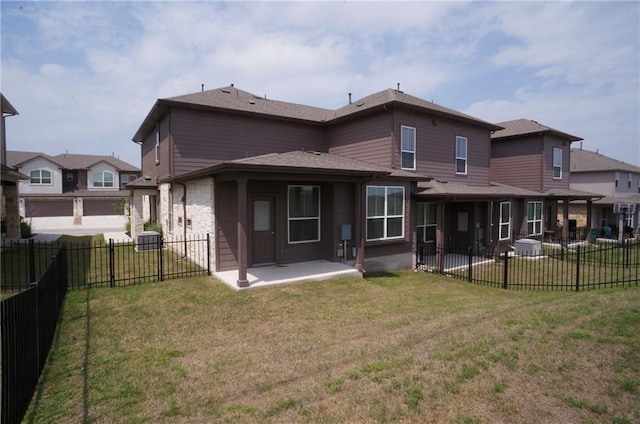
x=588 y=161
x=69 y=160
x=519 y=127
x=438 y=187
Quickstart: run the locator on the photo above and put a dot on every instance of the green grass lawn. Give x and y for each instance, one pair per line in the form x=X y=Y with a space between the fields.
x=410 y=347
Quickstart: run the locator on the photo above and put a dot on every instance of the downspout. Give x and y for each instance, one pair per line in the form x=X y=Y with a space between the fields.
x=184 y=217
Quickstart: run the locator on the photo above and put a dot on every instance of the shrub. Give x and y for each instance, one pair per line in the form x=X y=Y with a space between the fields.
x=152 y=226
x=25 y=229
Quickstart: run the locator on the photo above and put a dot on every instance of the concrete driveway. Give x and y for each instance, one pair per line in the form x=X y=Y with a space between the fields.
x=51 y=228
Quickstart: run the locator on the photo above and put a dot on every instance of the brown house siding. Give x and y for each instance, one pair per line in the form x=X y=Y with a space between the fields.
x=149 y=165
x=435 y=147
x=517 y=162
x=367 y=139
x=203 y=138
x=226 y=206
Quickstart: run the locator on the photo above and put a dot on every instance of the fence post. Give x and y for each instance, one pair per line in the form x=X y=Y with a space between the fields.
x=505 y=277
x=578 y=268
x=160 y=264
x=208 y=254
x=32 y=261
x=112 y=265
x=470 y=273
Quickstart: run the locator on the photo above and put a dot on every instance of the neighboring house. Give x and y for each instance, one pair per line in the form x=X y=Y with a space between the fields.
x=9 y=211
x=71 y=184
x=616 y=181
x=535 y=157
x=277 y=183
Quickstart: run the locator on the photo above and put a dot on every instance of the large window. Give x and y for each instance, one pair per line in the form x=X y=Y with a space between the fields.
x=103 y=179
x=385 y=212
x=426 y=225
x=505 y=220
x=408 y=147
x=40 y=177
x=304 y=214
x=557 y=163
x=534 y=218
x=461 y=155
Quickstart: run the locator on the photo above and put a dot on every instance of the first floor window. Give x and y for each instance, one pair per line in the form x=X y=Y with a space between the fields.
x=304 y=213
x=628 y=220
x=461 y=155
x=385 y=212
x=103 y=179
x=534 y=218
x=505 y=220
x=408 y=147
x=40 y=177
x=557 y=163
x=426 y=226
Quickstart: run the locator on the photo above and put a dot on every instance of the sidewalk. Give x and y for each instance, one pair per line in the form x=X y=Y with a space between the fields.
x=51 y=228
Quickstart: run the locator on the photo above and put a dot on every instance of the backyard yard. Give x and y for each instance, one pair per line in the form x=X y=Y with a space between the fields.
x=407 y=347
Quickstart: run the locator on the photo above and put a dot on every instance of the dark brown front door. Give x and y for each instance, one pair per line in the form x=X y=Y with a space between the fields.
x=263 y=232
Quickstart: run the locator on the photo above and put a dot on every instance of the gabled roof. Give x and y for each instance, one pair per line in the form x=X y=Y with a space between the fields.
x=6 y=106
x=587 y=161
x=520 y=127
x=68 y=160
x=233 y=99
x=306 y=162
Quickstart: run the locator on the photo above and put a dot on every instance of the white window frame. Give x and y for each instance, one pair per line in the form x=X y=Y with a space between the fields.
x=157 y=148
x=386 y=216
x=628 y=220
x=629 y=180
x=408 y=134
x=557 y=163
x=617 y=179
x=304 y=218
x=460 y=156
x=534 y=221
x=40 y=177
x=502 y=223
x=103 y=173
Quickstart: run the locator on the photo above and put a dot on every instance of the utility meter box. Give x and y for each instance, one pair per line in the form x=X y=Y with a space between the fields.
x=345 y=232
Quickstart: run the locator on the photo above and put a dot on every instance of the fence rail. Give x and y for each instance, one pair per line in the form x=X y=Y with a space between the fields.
x=29 y=321
x=102 y=264
x=579 y=266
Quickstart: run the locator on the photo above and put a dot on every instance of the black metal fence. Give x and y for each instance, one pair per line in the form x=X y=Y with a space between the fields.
x=100 y=264
x=578 y=266
x=29 y=321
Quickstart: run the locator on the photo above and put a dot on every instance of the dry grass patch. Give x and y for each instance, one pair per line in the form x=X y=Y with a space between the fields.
x=411 y=347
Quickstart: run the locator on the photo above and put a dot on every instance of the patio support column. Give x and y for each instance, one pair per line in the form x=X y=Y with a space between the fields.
x=440 y=242
x=565 y=221
x=359 y=233
x=588 y=224
x=242 y=233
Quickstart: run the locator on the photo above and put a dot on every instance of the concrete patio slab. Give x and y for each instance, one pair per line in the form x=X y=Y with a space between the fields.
x=275 y=275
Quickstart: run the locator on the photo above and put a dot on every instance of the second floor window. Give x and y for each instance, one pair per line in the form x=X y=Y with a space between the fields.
x=385 y=212
x=157 y=148
x=505 y=220
x=534 y=218
x=127 y=178
x=629 y=180
x=557 y=163
x=617 y=179
x=40 y=177
x=461 y=155
x=103 y=179
x=408 y=147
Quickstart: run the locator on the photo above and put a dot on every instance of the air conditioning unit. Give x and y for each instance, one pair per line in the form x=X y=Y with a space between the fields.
x=147 y=240
x=528 y=247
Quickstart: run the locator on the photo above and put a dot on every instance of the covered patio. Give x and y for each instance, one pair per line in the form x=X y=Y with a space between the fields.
x=275 y=275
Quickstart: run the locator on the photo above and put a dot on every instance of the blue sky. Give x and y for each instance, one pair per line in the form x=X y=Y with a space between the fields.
x=83 y=75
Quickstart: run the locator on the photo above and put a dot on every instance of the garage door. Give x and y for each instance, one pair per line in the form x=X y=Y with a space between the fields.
x=37 y=208
x=93 y=207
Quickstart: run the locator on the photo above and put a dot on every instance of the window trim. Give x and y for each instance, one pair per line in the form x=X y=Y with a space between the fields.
x=556 y=166
x=40 y=177
x=113 y=179
x=306 y=218
x=412 y=152
x=617 y=179
x=507 y=223
x=157 y=147
x=463 y=158
x=386 y=216
x=535 y=220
